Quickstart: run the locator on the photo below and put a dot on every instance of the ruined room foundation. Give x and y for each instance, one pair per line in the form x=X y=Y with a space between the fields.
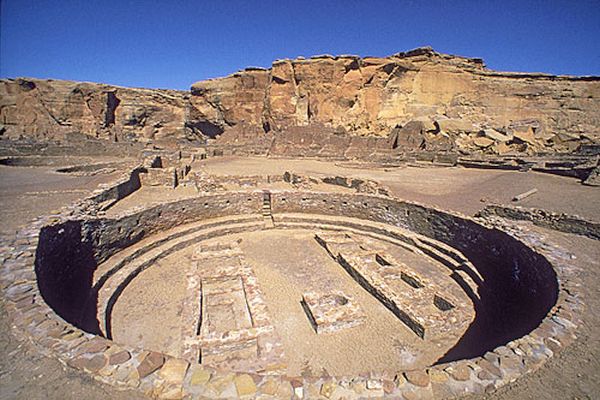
x=472 y=305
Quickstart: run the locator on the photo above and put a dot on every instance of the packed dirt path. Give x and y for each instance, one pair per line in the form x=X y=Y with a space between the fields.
x=573 y=374
x=26 y=192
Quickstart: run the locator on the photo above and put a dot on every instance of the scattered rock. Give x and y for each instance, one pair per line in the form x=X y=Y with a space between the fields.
x=95 y=345
x=525 y=136
x=438 y=376
x=455 y=126
x=408 y=137
x=224 y=386
x=388 y=386
x=200 y=376
x=399 y=380
x=96 y=363
x=374 y=384
x=489 y=367
x=460 y=372
x=72 y=335
x=501 y=148
x=593 y=179
x=298 y=389
x=172 y=392
x=524 y=195
x=119 y=357
x=483 y=142
x=327 y=389
x=270 y=386
x=494 y=135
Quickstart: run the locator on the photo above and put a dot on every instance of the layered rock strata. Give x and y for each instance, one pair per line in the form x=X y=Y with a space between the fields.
x=420 y=99
x=50 y=109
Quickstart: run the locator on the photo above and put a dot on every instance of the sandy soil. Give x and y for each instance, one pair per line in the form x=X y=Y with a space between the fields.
x=26 y=192
x=573 y=374
x=148 y=313
x=148 y=195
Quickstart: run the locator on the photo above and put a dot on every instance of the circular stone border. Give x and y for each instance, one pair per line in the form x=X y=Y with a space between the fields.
x=162 y=376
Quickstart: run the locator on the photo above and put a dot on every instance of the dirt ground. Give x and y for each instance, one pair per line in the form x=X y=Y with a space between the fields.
x=454 y=188
x=284 y=278
x=573 y=374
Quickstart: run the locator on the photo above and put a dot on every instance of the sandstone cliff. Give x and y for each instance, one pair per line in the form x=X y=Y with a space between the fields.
x=450 y=101
x=419 y=99
x=49 y=109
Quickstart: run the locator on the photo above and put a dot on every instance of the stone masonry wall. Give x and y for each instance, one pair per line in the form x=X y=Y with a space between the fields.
x=50 y=242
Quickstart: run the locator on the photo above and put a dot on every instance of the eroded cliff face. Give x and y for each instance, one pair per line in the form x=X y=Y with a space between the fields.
x=419 y=99
x=455 y=99
x=48 y=109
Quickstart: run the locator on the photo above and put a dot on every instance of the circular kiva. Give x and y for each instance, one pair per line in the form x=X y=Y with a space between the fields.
x=462 y=306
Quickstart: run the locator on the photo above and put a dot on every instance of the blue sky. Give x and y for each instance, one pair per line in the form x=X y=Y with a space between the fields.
x=171 y=44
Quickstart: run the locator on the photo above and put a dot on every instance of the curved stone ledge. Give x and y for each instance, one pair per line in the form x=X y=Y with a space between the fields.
x=59 y=245
x=560 y=222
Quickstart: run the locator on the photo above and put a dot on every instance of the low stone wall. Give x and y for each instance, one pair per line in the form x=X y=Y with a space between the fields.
x=70 y=251
x=110 y=194
x=73 y=144
x=111 y=235
x=560 y=222
x=166 y=177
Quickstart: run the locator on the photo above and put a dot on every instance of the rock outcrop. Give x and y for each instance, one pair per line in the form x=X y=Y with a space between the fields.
x=419 y=99
x=49 y=109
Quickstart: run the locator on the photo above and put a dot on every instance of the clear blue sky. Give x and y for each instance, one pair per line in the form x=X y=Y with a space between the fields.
x=171 y=44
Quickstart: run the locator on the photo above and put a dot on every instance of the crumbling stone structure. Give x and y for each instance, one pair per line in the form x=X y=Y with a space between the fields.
x=499 y=301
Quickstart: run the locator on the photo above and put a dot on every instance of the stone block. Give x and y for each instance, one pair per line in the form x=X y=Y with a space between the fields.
x=331 y=312
x=166 y=177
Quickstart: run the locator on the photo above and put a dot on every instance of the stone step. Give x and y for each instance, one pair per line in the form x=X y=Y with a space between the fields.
x=147 y=244
x=268 y=220
x=111 y=286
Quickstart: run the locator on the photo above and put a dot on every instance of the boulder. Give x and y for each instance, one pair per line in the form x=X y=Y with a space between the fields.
x=525 y=136
x=494 y=135
x=501 y=148
x=455 y=126
x=408 y=137
x=593 y=178
x=483 y=142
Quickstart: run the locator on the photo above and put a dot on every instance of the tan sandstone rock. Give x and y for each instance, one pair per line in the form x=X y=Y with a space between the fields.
x=448 y=96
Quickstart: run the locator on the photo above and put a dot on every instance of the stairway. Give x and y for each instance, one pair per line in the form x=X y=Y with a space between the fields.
x=266 y=210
